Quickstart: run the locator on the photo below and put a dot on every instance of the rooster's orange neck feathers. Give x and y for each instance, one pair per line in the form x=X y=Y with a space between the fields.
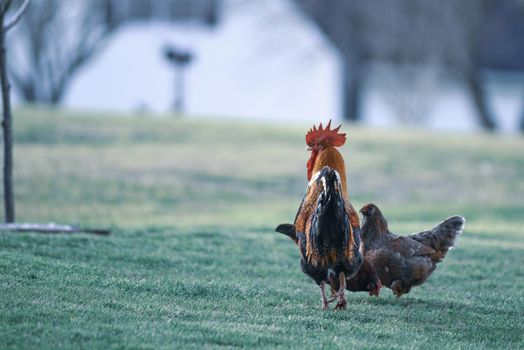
x=332 y=158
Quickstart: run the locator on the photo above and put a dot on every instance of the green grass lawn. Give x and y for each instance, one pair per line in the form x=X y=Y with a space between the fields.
x=193 y=261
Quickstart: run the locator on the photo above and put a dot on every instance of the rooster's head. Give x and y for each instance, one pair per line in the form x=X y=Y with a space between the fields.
x=320 y=138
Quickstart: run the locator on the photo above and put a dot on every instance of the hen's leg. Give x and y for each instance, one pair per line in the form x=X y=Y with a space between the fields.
x=323 y=295
x=341 y=296
x=374 y=287
x=374 y=284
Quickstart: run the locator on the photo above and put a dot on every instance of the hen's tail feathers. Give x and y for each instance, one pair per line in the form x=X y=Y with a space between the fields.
x=442 y=237
x=288 y=230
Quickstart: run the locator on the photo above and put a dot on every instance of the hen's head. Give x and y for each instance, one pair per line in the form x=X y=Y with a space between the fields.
x=370 y=210
x=373 y=222
x=320 y=138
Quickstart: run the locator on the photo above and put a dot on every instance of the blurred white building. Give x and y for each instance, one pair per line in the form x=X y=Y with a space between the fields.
x=263 y=60
x=243 y=68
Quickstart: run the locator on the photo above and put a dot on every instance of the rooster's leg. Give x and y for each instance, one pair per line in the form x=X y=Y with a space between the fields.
x=331 y=286
x=341 y=296
x=325 y=302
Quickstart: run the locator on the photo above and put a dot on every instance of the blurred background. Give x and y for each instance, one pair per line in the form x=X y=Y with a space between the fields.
x=455 y=65
x=193 y=112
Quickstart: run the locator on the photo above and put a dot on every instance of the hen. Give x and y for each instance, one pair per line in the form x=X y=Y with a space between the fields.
x=327 y=227
x=405 y=261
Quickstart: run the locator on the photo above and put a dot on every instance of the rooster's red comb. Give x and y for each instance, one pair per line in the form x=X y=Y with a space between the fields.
x=325 y=135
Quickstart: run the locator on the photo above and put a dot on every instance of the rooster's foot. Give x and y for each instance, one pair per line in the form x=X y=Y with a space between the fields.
x=342 y=303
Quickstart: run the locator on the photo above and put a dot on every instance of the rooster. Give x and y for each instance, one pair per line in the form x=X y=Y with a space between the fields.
x=405 y=261
x=327 y=227
x=330 y=249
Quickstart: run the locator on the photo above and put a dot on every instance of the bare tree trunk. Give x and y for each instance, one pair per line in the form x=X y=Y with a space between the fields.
x=8 y=130
x=475 y=87
x=352 y=92
x=522 y=115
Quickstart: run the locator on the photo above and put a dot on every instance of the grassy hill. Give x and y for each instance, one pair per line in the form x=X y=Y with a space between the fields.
x=193 y=260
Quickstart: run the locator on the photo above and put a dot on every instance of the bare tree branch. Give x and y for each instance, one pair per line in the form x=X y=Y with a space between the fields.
x=16 y=17
x=47 y=56
x=4 y=6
